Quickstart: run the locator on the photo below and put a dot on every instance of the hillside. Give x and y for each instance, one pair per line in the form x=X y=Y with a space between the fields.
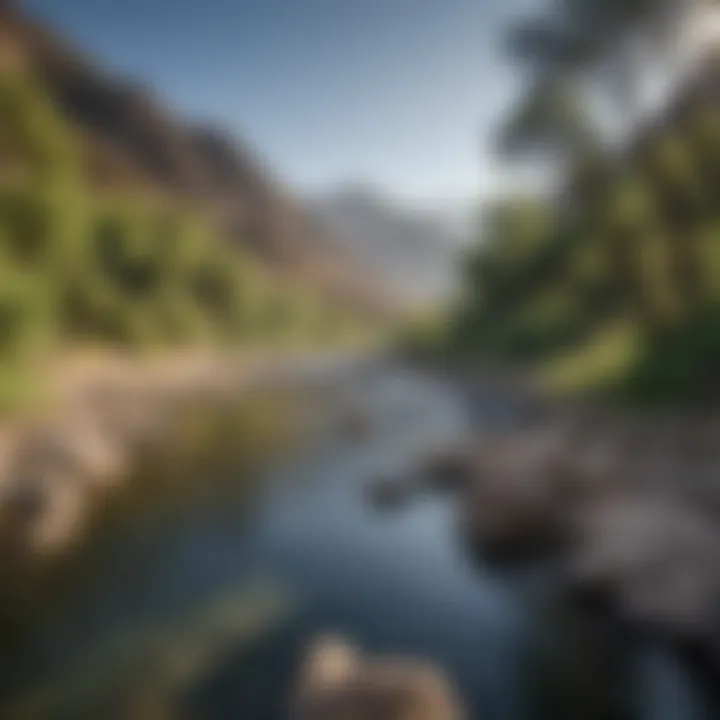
x=129 y=140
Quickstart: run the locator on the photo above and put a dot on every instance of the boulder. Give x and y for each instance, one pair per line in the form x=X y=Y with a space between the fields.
x=79 y=446
x=41 y=514
x=515 y=507
x=338 y=683
x=527 y=486
x=653 y=559
x=512 y=518
x=586 y=470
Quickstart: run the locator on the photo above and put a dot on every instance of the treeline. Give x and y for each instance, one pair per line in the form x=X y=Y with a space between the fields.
x=128 y=270
x=613 y=281
x=619 y=283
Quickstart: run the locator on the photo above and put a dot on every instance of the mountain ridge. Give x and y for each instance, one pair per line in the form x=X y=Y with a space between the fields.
x=129 y=139
x=414 y=250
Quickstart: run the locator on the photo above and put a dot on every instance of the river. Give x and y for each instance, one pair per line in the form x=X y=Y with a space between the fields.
x=212 y=604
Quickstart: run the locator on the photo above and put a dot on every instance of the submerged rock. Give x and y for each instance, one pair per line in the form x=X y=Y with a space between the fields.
x=338 y=683
x=390 y=492
x=449 y=469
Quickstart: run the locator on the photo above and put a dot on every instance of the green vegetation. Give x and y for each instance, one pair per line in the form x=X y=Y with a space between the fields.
x=617 y=289
x=611 y=283
x=77 y=267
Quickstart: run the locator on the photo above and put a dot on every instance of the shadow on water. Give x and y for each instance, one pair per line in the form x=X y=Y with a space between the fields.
x=207 y=610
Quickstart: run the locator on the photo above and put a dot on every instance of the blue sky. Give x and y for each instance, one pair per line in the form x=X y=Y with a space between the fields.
x=395 y=93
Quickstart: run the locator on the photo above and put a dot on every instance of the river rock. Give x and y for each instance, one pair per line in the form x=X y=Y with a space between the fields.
x=589 y=469
x=527 y=486
x=512 y=519
x=390 y=491
x=515 y=506
x=42 y=498
x=449 y=469
x=655 y=561
x=41 y=514
x=79 y=446
x=338 y=683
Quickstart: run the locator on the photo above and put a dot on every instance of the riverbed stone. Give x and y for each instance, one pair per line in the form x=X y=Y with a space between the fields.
x=41 y=513
x=654 y=559
x=450 y=469
x=390 y=491
x=514 y=507
x=104 y=417
x=338 y=683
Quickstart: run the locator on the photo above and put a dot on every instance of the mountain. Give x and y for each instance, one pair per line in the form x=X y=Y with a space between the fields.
x=130 y=140
x=412 y=251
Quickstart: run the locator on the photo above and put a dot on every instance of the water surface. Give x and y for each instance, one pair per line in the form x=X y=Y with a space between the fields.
x=309 y=556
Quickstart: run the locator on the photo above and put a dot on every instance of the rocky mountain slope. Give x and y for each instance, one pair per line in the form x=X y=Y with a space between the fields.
x=130 y=140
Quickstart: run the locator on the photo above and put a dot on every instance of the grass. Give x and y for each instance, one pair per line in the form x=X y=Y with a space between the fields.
x=595 y=365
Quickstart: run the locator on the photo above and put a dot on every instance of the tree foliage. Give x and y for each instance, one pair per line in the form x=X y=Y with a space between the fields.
x=629 y=249
x=129 y=271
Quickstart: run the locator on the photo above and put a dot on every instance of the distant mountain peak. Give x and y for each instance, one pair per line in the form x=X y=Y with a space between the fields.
x=413 y=251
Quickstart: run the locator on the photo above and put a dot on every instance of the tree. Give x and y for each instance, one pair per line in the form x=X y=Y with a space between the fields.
x=612 y=45
x=564 y=51
x=549 y=121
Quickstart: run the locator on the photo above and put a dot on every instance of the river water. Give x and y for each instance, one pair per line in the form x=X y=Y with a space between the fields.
x=213 y=605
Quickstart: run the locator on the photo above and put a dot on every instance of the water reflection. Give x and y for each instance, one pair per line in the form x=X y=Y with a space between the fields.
x=396 y=583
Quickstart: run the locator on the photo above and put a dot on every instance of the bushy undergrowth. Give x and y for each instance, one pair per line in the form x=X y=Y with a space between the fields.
x=124 y=270
x=633 y=243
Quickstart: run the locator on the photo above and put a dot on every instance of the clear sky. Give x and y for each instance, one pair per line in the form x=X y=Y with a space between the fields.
x=395 y=93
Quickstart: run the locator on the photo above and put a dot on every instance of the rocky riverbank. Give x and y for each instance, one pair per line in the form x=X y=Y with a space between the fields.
x=336 y=680
x=112 y=424
x=628 y=509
